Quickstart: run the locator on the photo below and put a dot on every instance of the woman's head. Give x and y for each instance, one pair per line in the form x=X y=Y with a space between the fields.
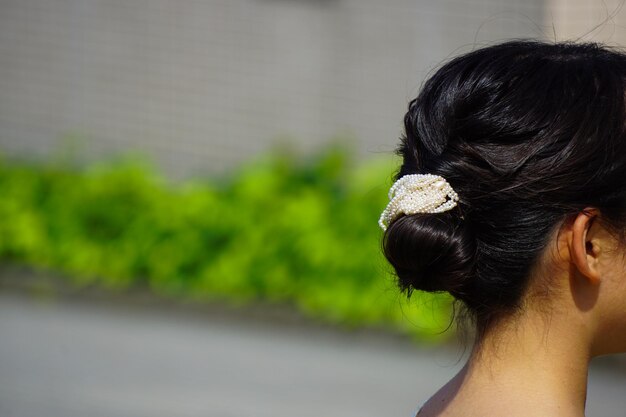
x=531 y=135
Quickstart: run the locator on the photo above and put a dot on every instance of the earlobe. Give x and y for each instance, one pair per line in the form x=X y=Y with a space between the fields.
x=582 y=252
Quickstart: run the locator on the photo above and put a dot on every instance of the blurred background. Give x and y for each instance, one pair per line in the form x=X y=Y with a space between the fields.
x=190 y=195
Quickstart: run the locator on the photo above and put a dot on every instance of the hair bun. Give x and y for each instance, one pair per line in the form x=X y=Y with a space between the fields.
x=431 y=252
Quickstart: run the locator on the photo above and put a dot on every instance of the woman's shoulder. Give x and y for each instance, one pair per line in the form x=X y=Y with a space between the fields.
x=418 y=409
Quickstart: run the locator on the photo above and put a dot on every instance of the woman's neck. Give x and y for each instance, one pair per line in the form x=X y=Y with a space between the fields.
x=523 y=369
x=536 y=360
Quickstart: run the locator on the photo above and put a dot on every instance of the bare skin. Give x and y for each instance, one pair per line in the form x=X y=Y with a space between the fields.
x=536 y=363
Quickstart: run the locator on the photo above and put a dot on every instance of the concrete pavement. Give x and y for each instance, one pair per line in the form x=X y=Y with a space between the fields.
x=79 y=359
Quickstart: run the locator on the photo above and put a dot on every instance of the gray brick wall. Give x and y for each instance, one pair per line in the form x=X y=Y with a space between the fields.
x=201 y=86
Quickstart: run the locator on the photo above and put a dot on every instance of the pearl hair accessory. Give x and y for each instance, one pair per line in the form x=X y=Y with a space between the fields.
x=418 y=193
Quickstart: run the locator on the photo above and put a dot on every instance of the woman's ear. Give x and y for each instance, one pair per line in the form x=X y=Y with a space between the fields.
x=583 y=251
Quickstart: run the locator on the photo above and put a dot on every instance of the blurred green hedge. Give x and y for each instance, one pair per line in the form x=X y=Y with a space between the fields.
x=281 y=228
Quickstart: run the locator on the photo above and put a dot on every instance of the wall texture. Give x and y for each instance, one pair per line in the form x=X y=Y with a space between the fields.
x=201 y=86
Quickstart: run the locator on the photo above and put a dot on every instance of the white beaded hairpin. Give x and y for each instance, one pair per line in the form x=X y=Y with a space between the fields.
x=418 y=193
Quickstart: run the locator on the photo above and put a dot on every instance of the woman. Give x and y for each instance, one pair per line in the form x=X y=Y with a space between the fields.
x=512 y=197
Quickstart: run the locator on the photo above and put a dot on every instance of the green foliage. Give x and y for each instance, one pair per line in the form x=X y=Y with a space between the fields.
x=281 y=229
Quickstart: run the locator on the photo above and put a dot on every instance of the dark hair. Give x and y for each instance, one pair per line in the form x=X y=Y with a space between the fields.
x=527 y=133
